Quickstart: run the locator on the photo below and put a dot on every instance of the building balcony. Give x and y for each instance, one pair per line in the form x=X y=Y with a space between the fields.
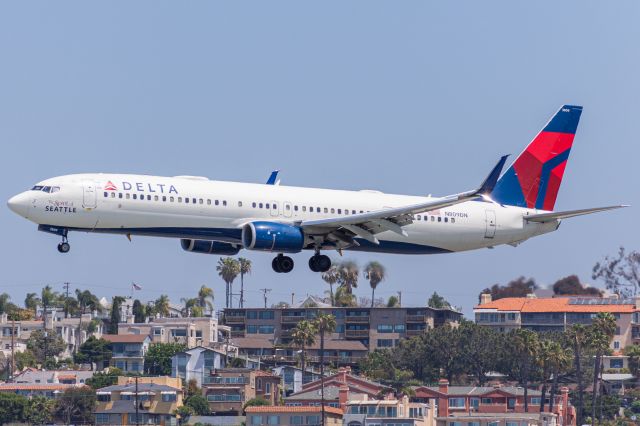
x=417 y=318
x=237 y=333
x=128 y=354
x=229 y=381
x=357 y=334
x=291 y=318
x=359 y=319
x=234 y=320
x=412 y=332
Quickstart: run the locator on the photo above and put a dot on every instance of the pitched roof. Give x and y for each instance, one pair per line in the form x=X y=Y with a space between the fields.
x=142 y=387
x=330 y=393
x=556 y=304
x=340 y=344
x=5 y=387
x=481 y=390
x=290 y=409
x=125 y=338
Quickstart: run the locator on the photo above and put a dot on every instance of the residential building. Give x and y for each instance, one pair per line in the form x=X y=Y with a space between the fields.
x=286 y=416
x=157 y=399
x=460 y=402
x=128 y=351
x=67 y=377
x=374 y=328
x=560 y=313
x=47 y=390
x=197 y=364
x=338 y=388
x=375 y=412
x=501 y=419
x=228 y=389
x=292 y=379
x=192 y=331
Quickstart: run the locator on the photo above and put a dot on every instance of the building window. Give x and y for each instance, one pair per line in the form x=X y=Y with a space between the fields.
x=256 y=420
x=399 y=328
x=266 y=315
x=273 y=420
x=296 y=420
x=385 y=328
x=385 y=343
x=616 y=363
x=103 y=397
x=168 y=397
x=456 y=403
x=313 y=420
x=102 y=418
x=616 y=344
x=487 y=401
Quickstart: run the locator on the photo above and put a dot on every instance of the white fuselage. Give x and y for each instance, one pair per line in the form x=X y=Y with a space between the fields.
x=217 y=210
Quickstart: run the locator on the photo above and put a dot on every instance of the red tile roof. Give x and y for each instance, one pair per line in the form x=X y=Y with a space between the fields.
x=290 y=409
x=553 y=304
x=125 y=338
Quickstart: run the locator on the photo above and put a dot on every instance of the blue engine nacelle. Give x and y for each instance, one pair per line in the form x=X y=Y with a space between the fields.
x=272 y=236
x=209 y=247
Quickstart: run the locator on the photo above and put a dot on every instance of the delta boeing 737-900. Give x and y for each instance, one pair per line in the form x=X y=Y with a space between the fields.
x=217 y=217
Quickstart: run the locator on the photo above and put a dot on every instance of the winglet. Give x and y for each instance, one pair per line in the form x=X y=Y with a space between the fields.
x=490 y=182
x=273 y=177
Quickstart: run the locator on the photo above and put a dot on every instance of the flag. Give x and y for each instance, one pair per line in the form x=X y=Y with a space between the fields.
x=136 y=286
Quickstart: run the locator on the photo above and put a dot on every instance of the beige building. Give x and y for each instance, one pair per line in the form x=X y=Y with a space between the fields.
x=366 y=412
x=228 y=389
x=198 y=331
x=286 y=416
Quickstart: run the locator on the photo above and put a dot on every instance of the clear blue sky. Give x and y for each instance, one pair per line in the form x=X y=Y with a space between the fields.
x=407 y=97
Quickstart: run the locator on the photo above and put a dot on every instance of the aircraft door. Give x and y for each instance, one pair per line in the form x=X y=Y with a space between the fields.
x=490 y=221
x=287 y=209
x=89 y=195
x=274 y=208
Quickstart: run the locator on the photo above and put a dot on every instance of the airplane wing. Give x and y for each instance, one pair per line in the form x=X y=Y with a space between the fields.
x=548 y=217
x=365 y=225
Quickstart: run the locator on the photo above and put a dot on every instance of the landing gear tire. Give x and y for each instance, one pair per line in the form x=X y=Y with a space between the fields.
x=64 y=247
x=319 y=263
x=282 y=264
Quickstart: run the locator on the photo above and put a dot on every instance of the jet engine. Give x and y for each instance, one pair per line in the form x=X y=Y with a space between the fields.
x=209 y=247
x=272 y=236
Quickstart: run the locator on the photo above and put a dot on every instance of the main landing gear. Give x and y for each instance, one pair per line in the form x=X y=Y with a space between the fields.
x=319 y=263
x=282 y=264
x=64 y=246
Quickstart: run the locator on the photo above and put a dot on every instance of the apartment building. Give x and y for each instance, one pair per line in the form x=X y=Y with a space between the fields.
x=157 y=398
x=199 y=364
x=191 y=331
x=376 y=412
x=286 y=416
x=228 y=389
x=67 y=377
x=559 y=313
x=128 y=351
x=373 y=327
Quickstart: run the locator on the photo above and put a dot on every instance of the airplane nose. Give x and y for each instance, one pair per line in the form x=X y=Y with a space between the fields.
x=18 y=204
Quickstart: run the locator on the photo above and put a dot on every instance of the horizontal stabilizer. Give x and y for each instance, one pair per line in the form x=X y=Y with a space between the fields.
x=548 y=217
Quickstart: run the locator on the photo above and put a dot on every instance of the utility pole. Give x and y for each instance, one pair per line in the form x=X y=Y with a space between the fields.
x=400 y=298
x=292 y=296
x=137 y=419
x=13 y=352
x=264 y=294
x=66 y=311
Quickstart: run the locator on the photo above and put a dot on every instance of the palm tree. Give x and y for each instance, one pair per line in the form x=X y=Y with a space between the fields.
x=545 y=359
x=87 y=300
x=161 y=306
x=344 y=298
x=324 y=323
x=228 y=268
x=375 y=273
x=524 y=351
x=348 y=273
x=245 y=268
x=48 y=298
x=205 y=298
x=31 y=302
x=601 y=332
x=578 y=337
x=560 y=363
x=304 y=335
x=331 y=277
x=192 y=307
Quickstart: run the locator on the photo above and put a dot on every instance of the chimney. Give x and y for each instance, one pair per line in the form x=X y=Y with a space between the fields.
x=443 y=400
x=485 y=298
x=564 y=392
x=343 y=397
x=342 y=374
x=637 y=299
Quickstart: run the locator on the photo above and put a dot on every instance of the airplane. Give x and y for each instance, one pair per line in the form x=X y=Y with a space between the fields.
x=221 y=218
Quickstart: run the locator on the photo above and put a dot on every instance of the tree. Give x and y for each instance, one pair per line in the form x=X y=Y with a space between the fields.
x=561 y=360
x=578 y=337
x=520 y=287
x=115 y=317
x=12 y=407
x=88 y=301
x=45 y=347
x=228 y=269
x=16 y=313
x=103 y=379
x=24 y=359
x=205 y=299
x=324 y=323
x=31 y=302
x=48 y=298
x=331 y=277
x=348 y=274
x=256 y=402
x=192 y=307
x=303 y=336
x=157 y=360
x=521 y=354
x=4 y=302
x=92 y=351
x=479 y=349
x=392 y=302
x=601 y=332
x=375 y=273
x=620 y=274
x=443 y=344
x=245 y=268
x=139 y=311
x=39 y=410
x=69 y=306
x=198 y=404
x=343 y=297
x=633 y=352
x=438 y=302
x=161 y=306
x=76 y=405
x=380 y=365
x=572 y=286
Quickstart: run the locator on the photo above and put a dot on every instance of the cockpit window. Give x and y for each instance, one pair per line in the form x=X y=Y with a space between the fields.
x=55 y=189
x=48 y=189
x=37 y=188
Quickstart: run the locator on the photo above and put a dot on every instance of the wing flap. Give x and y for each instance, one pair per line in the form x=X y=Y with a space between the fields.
x=548 y=217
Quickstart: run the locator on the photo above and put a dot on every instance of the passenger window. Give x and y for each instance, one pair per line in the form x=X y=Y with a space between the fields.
x=275 y=207
x=253 y=205
x=419 y=217
x=217 y=202
x=186 y=200
x=193 y=200
x=106 y=194
x=267 y=205
x=128 y=196
x=287 y=207
x=224 y=203
x=453 y=220
x=208 y=202
x=135 y=196
x=439 y=219
x=120 y=195
x=295 y=208
x=239 y=203
x=149 y=197
x=171 y=199
x=326 y=210
x=446 y=219
x=179 y=199
x=113 y=195
x=261 y=205
x=156 y=198
x=317 y=209
x=333 y=211
x=304 y=208
x=164 y=198
x=201 y=201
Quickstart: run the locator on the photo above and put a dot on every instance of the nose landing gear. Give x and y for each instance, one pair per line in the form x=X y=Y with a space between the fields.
x=64 y=246
x=319 y=263
x=282 y=264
